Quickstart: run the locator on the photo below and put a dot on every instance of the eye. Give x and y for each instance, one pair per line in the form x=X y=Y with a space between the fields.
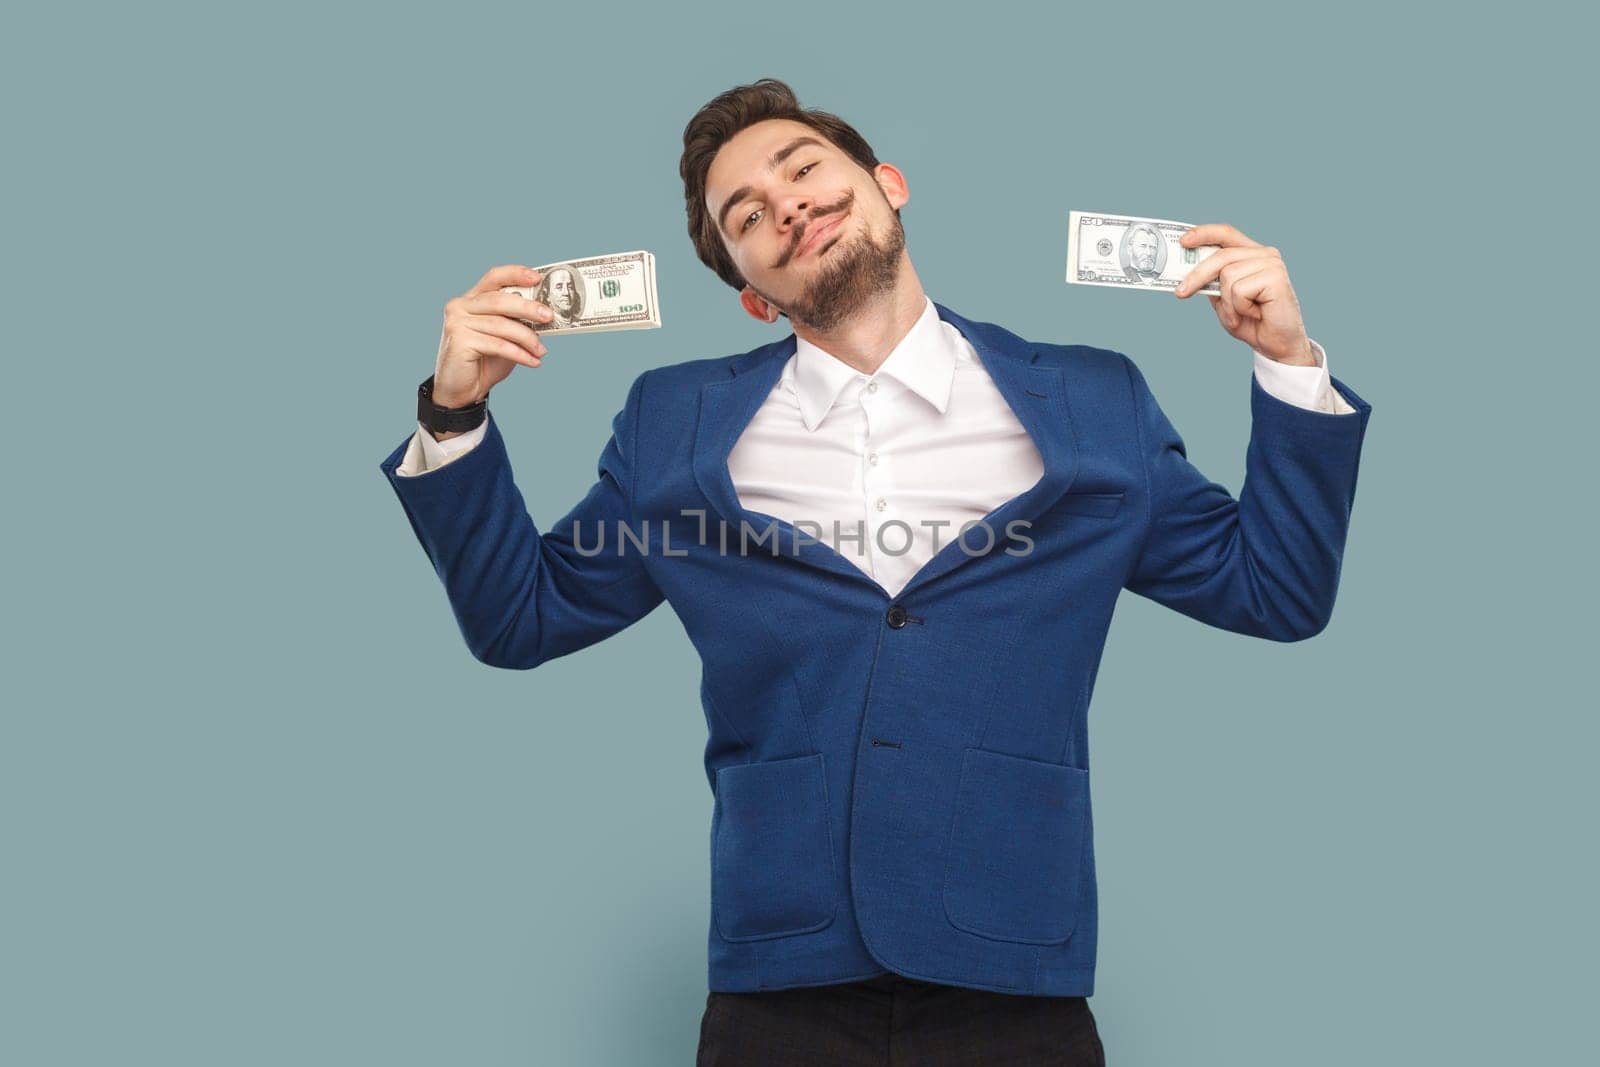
x=801 y=173
x=748 y=219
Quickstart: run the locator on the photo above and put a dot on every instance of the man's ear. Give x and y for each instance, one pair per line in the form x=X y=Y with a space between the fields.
x=893 y=184
x=757 y=307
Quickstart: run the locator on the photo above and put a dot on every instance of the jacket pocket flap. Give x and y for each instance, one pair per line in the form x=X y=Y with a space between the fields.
x=1104 y=505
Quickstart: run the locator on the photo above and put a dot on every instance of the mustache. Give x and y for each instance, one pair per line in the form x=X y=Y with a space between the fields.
x=820 y=212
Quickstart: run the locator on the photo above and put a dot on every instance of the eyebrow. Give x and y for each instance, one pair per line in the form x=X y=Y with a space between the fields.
x=772 y=164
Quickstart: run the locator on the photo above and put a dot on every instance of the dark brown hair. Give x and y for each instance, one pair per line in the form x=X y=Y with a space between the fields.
x=715 y=124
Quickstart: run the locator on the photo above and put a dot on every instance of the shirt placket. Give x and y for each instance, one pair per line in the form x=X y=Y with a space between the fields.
x=877 y=481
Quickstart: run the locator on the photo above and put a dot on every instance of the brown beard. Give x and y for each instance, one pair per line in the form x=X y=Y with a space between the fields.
x=856 y=273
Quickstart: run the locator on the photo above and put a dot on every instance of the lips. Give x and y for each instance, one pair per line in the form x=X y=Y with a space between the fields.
x=818 y=232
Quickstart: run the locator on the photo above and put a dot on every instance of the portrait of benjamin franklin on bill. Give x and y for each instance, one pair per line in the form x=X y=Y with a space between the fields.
x=1143 y=252
x=562 y=289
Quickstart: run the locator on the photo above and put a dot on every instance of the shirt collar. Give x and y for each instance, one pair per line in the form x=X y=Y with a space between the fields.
x=924 y=361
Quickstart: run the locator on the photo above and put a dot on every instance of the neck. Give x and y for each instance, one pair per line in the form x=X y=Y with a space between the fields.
x=865 y=340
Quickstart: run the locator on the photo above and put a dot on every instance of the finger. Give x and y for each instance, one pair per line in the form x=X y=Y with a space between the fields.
x=1250 y=291
x=1243 y=290
x=1205 y=271
x=1215 y=233
x=510 y=329
x=1230 y=322
x=515 y=305
x=1225 y=281
x=490 y=345
x=511 y=274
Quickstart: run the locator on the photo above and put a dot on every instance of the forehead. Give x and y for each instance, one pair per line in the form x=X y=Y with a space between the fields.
x=744 y=158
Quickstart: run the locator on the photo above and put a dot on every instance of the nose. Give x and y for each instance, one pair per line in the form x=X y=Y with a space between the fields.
x=792 y=208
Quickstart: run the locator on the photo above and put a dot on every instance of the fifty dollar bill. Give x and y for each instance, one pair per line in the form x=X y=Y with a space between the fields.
x=1128 y=252
x=596 y=295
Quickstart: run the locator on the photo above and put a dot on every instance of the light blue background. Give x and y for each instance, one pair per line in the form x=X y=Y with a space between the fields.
x=261 y=806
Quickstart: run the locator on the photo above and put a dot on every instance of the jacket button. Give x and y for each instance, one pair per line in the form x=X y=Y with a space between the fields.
x=896 y=616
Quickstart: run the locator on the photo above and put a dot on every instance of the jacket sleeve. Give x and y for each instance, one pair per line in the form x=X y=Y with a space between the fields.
x=1266 y=564
x=522 y=597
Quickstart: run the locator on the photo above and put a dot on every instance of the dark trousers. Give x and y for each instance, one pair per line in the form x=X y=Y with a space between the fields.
x=890 y=1021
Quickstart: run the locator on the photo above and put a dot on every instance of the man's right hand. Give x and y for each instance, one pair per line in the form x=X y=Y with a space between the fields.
x=483 y=339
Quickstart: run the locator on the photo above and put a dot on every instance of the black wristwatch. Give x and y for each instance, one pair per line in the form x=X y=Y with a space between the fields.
x=448 y=420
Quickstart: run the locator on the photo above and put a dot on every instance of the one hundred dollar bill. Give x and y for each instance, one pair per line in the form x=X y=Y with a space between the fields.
x=596 y=295
x=1128 y=252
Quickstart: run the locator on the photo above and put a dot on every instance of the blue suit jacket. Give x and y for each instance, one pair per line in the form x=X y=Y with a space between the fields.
x=900 y=783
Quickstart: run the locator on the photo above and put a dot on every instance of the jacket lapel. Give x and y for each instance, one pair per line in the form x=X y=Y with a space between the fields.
x=1035 y=391
x=726 y=408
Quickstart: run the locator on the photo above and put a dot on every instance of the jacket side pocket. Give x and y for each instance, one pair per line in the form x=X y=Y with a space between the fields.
x=1016 y=846
x=772 y=866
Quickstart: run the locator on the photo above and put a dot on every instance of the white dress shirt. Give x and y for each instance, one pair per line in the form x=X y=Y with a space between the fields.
x=890 y=465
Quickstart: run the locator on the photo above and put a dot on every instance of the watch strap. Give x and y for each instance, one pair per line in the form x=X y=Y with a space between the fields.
x=448 y=420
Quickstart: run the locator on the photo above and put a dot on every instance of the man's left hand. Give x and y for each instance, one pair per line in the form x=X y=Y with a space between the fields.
x=1257 y=305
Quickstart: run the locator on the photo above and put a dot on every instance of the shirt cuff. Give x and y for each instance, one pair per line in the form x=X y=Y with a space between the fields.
x=1304 y=387
x=425 y=454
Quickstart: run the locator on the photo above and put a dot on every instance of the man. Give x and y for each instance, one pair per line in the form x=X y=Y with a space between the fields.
x=1144 y=247
x=901 y=849
x=562 y=291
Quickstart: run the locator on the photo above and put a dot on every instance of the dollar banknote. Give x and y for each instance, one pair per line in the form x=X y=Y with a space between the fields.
x=596 y=295
x=1131 y=253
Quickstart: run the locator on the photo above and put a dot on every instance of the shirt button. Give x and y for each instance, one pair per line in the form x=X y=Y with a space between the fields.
x=881 y=504
x=896 y=616
x=872 y=387
x=872 y=458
